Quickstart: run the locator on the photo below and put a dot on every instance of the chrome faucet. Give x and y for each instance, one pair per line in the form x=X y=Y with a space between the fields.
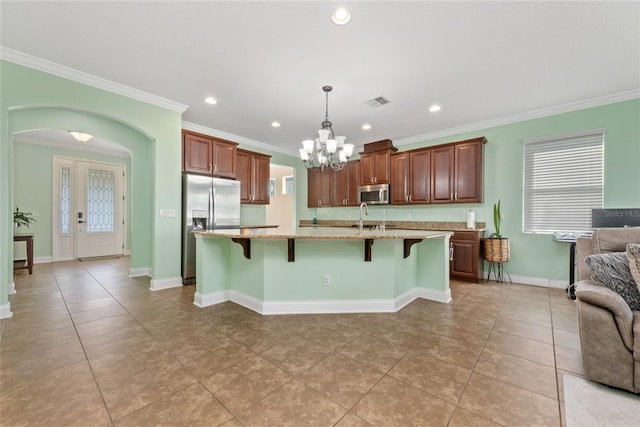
x=366 y=212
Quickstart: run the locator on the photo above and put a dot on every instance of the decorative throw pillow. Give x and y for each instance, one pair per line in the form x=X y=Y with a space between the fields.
x=612 y=270
x=633 y=256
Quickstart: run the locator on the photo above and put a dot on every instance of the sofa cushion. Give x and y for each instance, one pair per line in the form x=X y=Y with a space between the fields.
x=613 y=239
x=633 y=256
x=612 y=270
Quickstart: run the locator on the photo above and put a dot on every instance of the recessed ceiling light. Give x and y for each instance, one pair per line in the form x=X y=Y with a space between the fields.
x=434 y=108
x=275 y=124
x=210 y=100
x=366 y=126
x=341 y=16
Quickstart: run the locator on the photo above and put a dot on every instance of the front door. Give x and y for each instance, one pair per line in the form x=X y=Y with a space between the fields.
x=100 y=209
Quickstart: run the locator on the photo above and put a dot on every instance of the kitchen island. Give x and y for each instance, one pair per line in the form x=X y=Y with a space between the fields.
x=321 y=270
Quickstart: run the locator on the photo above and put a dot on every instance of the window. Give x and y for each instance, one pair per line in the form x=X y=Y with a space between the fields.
x=563 y=181
x=272 y=187
x=287 y=185
x=65 y=199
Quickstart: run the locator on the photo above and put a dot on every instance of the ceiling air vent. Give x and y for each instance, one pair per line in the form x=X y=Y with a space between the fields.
x=377 y=102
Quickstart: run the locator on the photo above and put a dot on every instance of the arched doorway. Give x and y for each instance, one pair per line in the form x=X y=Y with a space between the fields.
x=137 y=143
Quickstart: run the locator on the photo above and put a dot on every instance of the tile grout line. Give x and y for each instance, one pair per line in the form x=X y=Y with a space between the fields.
x=93 y=375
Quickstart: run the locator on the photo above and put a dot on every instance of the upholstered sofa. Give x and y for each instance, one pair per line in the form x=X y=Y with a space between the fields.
x=609 y=329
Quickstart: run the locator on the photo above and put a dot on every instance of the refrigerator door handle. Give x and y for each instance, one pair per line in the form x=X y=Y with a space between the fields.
x=212 y=224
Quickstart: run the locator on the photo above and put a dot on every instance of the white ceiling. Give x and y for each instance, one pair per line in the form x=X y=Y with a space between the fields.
x=266 y=61
x=60 y=138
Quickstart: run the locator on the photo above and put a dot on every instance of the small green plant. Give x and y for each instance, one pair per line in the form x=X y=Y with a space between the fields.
x=497 y=219
x=23 y=219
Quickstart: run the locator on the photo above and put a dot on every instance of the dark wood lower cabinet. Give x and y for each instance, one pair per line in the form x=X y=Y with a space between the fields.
x=464 y=255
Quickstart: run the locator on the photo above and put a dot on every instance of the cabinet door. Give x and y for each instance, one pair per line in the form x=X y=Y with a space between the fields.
x=340 y=183
x=197 y=153
x=465 y=258
x=314 y=188
x=382 y=167
x=399 y=179
x=224 y=159
x=326 y=179
x=442 y=171
x=243 y=174
x=468 y=173
x=353 y=178
x=420 y=176
x=367 y=168
x=260 y=179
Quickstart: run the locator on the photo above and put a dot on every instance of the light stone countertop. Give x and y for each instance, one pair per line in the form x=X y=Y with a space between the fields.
x=323 y=233
x=399 y=225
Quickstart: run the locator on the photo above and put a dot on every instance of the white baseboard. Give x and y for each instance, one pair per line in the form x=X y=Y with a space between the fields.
x=534 y=281
x=391 y=305
x=11 y=288
x=252 y=303
x=430 y=294
x=169 y=282
x=126 y=252
x=212 y=298
x=42 y=259
x=405 y=299
x=5 y=311
x=140 y=271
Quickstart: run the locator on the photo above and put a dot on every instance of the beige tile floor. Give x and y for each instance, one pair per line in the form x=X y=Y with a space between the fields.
x=89 y=346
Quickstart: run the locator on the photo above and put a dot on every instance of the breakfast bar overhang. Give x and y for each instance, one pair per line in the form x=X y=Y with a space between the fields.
x=321 y=270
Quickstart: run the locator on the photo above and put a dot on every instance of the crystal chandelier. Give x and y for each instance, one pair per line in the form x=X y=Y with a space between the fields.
x=327 y=150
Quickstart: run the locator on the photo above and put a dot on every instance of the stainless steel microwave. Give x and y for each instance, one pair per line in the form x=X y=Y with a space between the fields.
x=377 y=194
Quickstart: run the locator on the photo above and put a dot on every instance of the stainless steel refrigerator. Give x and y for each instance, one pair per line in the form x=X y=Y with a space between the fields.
x=207 y=204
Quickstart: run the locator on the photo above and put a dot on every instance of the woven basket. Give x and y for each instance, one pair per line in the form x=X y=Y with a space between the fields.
x=497 y=250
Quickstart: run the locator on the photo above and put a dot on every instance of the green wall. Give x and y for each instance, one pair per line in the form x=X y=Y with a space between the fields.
x=532 y=256
x=31 y=99
x=33 y=190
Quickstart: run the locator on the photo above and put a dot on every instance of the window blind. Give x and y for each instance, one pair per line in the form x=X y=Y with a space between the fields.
x=563 y=181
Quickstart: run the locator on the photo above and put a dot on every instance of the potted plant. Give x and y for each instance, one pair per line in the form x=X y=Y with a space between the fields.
x=496 y=247
x=22 y=219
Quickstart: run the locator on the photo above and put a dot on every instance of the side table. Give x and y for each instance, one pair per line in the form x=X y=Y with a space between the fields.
x=28 y=239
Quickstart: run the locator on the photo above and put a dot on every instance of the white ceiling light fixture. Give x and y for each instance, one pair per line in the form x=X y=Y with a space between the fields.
x=275 y=124
x=327 y=150
x=341 y=16
x=210 y=100
x=434 y=108
x=80 y=137
x=366 y=126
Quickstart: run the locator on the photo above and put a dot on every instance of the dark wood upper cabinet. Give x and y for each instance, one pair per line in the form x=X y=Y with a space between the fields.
x=345 y=185
x=457 y=172
x=375 y=167
x=469 y=172
x=197 y=153
x=208 y=155
x=410 y=177
x=442 y=171
x=319 y=188
x=447 y=173
x=253 y=173
x=420 y=176
x=399 y=185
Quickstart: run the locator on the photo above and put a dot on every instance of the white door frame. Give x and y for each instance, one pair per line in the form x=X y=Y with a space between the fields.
x=64 y=245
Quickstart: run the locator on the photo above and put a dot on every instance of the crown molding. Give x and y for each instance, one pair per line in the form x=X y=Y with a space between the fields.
x=88 y=79
x=237 y=138
x=535 y=114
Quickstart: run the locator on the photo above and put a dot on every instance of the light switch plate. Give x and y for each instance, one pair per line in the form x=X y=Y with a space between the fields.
x=167 y=213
